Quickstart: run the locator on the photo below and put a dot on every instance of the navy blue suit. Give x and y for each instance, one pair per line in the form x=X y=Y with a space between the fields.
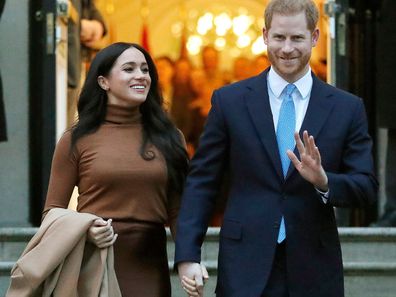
x=239 y=135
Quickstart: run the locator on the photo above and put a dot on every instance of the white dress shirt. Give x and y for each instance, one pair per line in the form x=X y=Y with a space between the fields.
x=276 y=84
x=301 y=95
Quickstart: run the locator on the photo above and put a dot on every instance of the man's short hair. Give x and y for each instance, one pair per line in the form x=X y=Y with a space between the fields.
x=291 y=7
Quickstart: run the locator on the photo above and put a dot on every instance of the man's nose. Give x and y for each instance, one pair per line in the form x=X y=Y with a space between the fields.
x=287 y=46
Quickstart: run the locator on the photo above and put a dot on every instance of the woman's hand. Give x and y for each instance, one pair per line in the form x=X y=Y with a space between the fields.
x=101 y=233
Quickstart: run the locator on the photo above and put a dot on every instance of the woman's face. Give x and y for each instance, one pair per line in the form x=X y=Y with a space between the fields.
x=128 y=82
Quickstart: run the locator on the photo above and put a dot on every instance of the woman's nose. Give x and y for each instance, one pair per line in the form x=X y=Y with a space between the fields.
x=140 y=74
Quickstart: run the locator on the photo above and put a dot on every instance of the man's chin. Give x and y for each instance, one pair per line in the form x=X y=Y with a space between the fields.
x=287 y=71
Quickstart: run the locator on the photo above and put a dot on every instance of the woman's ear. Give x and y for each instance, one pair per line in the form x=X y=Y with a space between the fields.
x=102 y=81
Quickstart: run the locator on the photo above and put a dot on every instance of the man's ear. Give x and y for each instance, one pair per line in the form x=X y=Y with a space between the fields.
x=265 y=36
x=315 y=37
x=102 y=81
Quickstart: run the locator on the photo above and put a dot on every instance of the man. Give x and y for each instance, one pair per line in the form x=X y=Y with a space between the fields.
x=86 y=26
x=279 y=235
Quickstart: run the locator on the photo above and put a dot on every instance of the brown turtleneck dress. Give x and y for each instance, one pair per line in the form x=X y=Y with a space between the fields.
x=115 y=182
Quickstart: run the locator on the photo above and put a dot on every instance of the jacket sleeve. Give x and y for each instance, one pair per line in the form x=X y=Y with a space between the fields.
x=356 y=184
x=202 y=185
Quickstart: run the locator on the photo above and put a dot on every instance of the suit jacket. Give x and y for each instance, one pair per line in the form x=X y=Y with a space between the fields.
x=239 y=135
x=58 y=262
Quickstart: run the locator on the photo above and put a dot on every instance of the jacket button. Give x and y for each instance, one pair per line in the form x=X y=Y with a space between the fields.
x=276 y=225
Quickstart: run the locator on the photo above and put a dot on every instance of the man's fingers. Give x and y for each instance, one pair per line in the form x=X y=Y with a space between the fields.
x=293 y=158
x=318 y=158
x=311 y=145
x=199 y=284
x=307 y=145
x=205 y=273
x=299 y=143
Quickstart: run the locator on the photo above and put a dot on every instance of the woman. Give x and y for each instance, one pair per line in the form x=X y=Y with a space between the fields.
x=129 y=163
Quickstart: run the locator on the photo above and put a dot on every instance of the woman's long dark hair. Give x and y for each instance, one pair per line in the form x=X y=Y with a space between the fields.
x=158 y=130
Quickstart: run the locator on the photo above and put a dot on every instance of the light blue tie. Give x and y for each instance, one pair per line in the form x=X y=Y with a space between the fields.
x=285 y=138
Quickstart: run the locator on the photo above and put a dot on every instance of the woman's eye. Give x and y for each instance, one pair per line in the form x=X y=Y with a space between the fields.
x=129 y=69
x=145 y=70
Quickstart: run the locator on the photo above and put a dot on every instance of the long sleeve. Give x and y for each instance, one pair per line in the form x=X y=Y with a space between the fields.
x=356 y=185
x=202 y=186
x=174 y=200
x=64 y=175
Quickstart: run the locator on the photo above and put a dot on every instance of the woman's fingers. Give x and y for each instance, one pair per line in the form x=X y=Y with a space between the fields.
x=189 y=286
x=101 y=233
x=104 y=232
x=108 y=243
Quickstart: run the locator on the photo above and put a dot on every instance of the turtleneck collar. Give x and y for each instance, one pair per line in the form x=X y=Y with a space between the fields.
x=123 y=115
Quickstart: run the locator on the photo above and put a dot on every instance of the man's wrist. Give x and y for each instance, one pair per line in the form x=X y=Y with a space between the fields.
x=323 y=185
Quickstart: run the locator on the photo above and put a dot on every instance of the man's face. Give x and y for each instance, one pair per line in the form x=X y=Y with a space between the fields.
x=289 y=45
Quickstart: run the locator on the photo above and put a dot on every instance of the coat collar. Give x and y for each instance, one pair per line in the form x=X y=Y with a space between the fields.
x=257 y=102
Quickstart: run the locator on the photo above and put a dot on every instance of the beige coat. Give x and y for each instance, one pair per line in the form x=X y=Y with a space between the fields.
x=59 y=262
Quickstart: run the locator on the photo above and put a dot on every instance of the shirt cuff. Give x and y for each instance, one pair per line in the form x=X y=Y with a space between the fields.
x=323 y=195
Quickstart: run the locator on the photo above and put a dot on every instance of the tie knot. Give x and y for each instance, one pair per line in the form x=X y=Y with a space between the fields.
x=290 y=89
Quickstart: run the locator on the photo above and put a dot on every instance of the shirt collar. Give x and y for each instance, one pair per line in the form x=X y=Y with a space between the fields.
x=277 y=83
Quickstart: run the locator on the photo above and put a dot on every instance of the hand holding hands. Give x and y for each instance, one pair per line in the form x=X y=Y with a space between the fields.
x=310 y=163
x=192 y=277
x=101 y=233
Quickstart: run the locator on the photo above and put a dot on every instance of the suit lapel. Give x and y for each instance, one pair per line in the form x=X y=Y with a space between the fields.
x=257 y=102
x=318 y=110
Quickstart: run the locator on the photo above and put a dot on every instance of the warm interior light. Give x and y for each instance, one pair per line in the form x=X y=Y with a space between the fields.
x=205 y=23
x=194 y=44
x=243 y=41
x=220 y=43
x=241 y=24
x=236 y=32
x=223 y=24
x=258 y=46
